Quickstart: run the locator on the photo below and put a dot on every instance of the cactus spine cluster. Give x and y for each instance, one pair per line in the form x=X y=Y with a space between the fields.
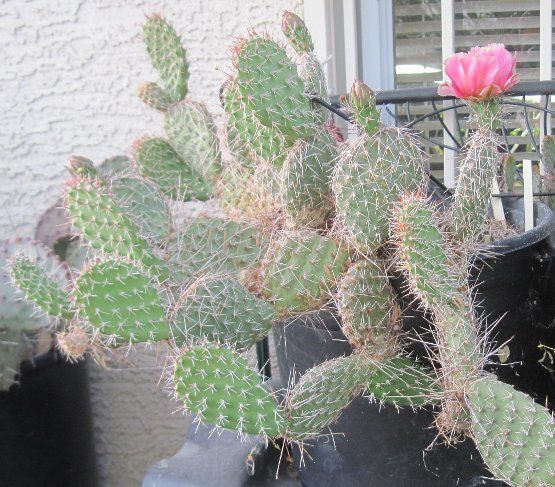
x=306 y=223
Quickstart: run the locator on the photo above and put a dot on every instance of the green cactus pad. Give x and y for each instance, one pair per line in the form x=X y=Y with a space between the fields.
x=514 y=435
x=422 y=252
x=306 y=181
x=17 y=313
x=120 y=302
x=214 y=245
x=402 y=382
x=266 y=143
x=315 y=84
x=302 y=272
x=144 y=205
x=107 y=228
x=365 y=303
x=167 y=56
x=271 y=88
x=115 y=166
x=317 y=400
x=11 y=355
x=158 y=161
x=192 y=134
x=219 y=309
x=217 y=384
x=370 y=177
x=362 y=102
x=154 y=96
x=39 y=288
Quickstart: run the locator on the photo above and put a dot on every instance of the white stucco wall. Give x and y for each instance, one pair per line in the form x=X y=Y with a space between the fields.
x=68 y=77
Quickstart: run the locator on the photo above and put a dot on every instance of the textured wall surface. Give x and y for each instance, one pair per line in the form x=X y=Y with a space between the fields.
x=69 y=73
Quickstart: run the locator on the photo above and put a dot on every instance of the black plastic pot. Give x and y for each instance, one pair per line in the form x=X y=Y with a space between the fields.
x=46 y=437
x=387 y=448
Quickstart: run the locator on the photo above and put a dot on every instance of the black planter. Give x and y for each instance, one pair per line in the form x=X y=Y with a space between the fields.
x=386 y=447
x=45 y=427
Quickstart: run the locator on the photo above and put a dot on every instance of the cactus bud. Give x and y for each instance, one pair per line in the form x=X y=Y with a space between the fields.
x=362 y=102
x=296 y=32
x=79 y=166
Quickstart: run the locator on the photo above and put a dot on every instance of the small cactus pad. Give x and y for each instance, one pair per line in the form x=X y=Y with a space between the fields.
x=365 y=303
x=167 y=56
x=144 y=205
x=17 y=313
x=154 y=96
x=317 y=400
x=219 y=309
x=217 y=384
x=267 y=143
x=402 y=382
x=306 y=182
x=514 y=435
x=214 y=245
x=192 y=134
x=107 y=228
x=81 y=167
x=272 y=89
x=421 y=251
x=302 y=272
x=115 y=166
x=39 y=288
x=158 y=161
x=120 y=302
x=11 y=355
x=371 y=175
x=296 y=32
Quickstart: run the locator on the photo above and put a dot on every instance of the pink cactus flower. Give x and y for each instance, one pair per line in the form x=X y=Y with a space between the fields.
x=480 y=74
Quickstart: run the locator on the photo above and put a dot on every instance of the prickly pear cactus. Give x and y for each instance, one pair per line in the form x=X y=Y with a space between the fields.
x=154 y=96
x=38 y=287
x=167 y=56
x=514 y=435
x=16 y=313
x=214 y=245
x=316 y=401
x=219 y=309
x=218 y=385
x=107 y=228
x=366 y=304
x=302 y=272
x=159 y=162
x=271 y=89
x=306 y=180
x=144 y=205
x=192 y=134
x=120 y=304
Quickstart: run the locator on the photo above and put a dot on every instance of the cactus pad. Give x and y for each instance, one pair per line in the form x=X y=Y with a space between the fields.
x=107 y=228
x=271 y=88
x=296 y=32
x=402 y=382
x=306 y=180
x=192 y=134
x=167 y=56
x=158 y=161
x=144 y=205
x=370 y=177
x=514 y=435
x=317 y=400
x=214 y=245
x=302 y=272
x=121 y=303
x=365 y=303
x=218 y=385
x=219 y=309
x=154 y=96
x=39 y=288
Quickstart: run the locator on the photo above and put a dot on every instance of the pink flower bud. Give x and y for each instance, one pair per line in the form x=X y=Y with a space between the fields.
x=480 y=74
